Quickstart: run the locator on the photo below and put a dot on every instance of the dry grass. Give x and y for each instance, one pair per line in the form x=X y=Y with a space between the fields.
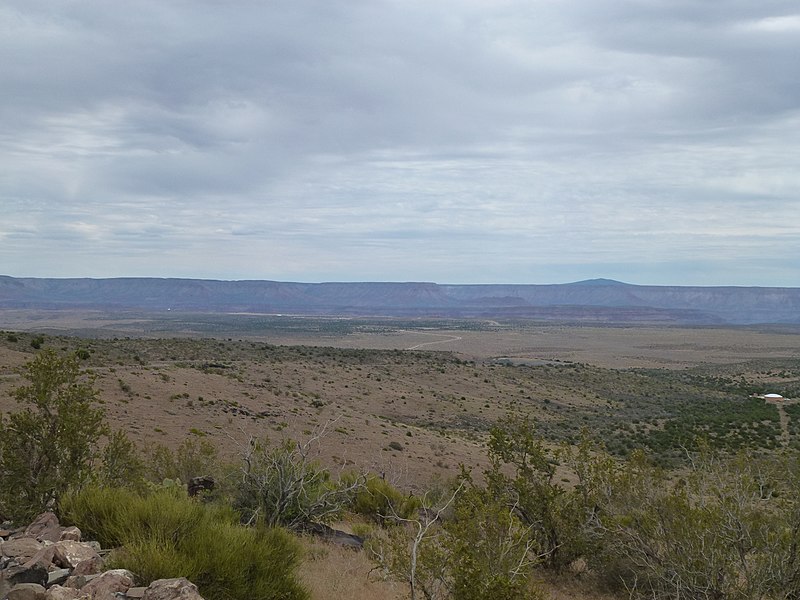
x=330 y=572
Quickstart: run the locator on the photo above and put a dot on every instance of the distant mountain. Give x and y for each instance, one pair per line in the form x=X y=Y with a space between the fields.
x=596 y=300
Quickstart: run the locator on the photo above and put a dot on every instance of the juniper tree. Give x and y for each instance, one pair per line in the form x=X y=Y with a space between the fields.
x=52 y=441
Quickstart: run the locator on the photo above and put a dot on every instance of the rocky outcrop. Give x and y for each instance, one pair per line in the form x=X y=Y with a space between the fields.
x=46 y=561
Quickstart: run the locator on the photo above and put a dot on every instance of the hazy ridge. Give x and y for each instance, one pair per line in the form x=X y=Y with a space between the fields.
x=598 y=300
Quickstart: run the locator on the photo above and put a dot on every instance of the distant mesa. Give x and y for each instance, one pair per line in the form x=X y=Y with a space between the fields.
x=598 y=281
x=598 y=301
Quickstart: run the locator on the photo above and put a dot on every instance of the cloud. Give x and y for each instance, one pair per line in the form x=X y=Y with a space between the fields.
x=449 y=141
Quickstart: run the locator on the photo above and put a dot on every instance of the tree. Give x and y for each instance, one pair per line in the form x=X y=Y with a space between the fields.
x=522 y=475
x=52 y=442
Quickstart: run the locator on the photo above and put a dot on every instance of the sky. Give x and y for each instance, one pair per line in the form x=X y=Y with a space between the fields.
x=453 y=141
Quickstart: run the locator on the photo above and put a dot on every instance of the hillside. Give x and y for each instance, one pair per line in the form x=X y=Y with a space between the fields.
x=598 y=301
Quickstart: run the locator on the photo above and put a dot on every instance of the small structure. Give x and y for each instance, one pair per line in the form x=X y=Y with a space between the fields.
x=773 y=397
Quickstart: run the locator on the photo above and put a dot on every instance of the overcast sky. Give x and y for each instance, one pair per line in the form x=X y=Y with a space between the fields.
x=456 y=141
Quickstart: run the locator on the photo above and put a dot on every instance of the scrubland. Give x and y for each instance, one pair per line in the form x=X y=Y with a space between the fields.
x=653 y=406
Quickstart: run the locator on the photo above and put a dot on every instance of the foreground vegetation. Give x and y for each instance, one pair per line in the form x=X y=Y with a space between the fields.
x=724 y=525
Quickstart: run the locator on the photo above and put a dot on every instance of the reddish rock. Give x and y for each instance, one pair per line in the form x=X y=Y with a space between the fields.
x=45 y=527
x=69 y=553
x=21 y=548
x=89 y=566
x=106 y=585
x=172 y=589
x=57 y=592
x=27 y=591
x=43 y=557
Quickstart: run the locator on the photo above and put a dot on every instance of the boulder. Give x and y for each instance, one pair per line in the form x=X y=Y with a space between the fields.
x=69 y=553
x=57 y=592
x=27 y=591
x=71 y=533
x=22 y=548
x=334 y=536
x=57 y=577
x=45 y=527
x=75 y=582
x=89 y=566
x=43 y=557
x=33 y=573
x=106 y=585
x=135 y=592
x=172 y=589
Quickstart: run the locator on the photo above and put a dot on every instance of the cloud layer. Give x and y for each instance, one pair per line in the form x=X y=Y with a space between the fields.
x=456 y=141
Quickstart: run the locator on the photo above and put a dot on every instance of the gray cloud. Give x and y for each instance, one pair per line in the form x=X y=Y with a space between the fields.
x=451 y=141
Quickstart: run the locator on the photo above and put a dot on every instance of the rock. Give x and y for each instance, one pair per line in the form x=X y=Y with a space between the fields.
x=57 y=577
x=135 y=592
x=334 y=536
x=45 y=527
x=75 y=581
x=43 y=557
x=94 y=546
x=69 y=553
x=200 y=484
x=22 y=548
x=172 y=589
x=33 y=573
x=62 y=593
x=89 y=566
x=71 y=533
x=27 y=591
x=106 y=585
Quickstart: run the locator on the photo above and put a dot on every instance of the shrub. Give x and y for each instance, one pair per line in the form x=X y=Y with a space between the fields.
x=285 y=486
x=122 y=466
x=381 y=501
x=52 y=442
x=166 y=534
x=728 y=528
x=193 y=458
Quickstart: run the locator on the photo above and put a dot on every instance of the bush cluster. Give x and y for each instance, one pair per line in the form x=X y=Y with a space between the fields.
x=162 y=533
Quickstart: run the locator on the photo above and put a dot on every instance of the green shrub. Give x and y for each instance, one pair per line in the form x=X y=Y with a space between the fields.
x=380 y=500
x=193 y=458
x=166 y=534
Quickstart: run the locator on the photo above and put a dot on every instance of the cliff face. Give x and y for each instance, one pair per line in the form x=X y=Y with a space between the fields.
x=596 y=300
